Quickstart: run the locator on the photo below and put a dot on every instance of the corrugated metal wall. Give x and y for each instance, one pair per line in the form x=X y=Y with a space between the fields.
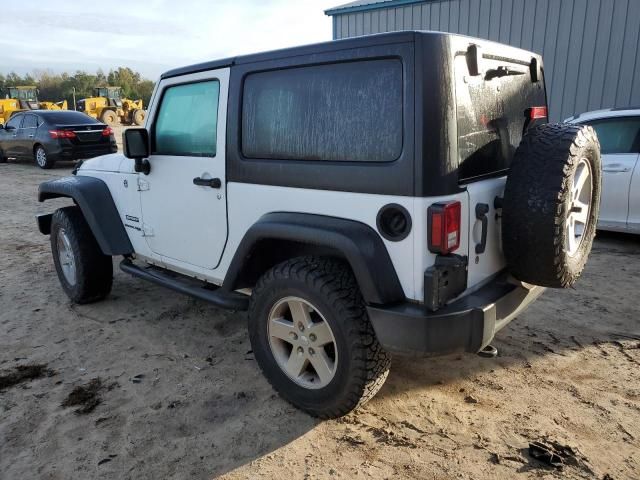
x=590 y=47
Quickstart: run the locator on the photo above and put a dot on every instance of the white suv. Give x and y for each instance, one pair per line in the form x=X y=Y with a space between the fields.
x=392 y=193
x=618 y=130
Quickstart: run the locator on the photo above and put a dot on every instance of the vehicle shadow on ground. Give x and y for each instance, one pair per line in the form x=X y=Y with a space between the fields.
x=597 y=312
x=201 y=407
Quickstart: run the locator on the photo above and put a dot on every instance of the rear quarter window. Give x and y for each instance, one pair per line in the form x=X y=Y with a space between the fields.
x=335 y=112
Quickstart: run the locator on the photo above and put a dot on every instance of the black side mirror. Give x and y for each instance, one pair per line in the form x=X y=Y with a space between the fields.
x=136 y=146
x=9 y=128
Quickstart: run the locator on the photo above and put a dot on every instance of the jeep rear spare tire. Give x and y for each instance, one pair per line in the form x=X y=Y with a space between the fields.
x=551 y=204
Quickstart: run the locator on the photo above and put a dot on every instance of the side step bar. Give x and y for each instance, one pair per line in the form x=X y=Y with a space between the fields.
x=188 y=286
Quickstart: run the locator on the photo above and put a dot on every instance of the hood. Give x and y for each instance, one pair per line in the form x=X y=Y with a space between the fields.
x=114 y=162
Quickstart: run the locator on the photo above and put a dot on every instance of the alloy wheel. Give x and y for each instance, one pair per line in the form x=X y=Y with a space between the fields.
x=41 y=157
x=302 y=342
x=581 y=193
x=66 y=257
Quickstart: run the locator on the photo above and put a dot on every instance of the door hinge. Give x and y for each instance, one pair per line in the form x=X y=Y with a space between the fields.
x=142 y=184
x=147 y=231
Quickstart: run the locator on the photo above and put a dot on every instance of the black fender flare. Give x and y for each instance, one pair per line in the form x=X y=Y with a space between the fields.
x=93 y=197
x=357 y=243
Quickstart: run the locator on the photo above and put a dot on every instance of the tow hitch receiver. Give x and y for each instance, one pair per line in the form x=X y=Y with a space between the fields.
x=488 y=352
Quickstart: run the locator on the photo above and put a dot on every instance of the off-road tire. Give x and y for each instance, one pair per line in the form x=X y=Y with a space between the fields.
x=138 y=116
x=329 y=284
x=109 y=117
x=537 y=203
x=41 y=158
x=94 y=270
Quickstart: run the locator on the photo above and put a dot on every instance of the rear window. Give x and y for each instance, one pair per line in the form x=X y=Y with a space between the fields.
x=68 y=117
x=618 y=135
x=492 y=114
x=337 y=112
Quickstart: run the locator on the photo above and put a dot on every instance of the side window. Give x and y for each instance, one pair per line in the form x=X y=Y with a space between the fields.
x=30 y=121
x=187 y=121
x=618 y=135
x=14 y=121
x=337 y=112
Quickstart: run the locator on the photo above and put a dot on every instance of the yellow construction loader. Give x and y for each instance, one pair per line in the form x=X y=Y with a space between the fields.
x=108 y=106
x=18 y=99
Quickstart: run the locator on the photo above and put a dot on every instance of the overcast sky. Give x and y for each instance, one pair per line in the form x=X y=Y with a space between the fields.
x=151 y=36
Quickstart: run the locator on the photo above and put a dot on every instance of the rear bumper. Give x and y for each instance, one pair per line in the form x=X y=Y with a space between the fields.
x=468 y=324
x=69 y=151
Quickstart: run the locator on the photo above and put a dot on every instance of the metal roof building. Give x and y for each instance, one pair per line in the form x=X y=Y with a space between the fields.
x=590 y=47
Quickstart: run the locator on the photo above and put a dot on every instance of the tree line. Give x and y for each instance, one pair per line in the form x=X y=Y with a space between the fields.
x=56 y=87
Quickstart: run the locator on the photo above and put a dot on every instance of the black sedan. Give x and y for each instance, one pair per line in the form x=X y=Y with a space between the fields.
x=47 y=136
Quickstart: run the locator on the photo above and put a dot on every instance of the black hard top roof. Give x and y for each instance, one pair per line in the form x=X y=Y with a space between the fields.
x=332 y=45
x=387 y=38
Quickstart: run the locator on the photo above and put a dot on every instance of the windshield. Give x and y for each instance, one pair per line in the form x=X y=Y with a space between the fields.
x=28 y=94
x=108 y=92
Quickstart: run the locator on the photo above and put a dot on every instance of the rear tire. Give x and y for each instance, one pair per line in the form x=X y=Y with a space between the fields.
x=138 y=117
x=551 y=204
x=85 y=273
x=356 y=364
x=41 y=158
x=109 y=117
x=3 y=159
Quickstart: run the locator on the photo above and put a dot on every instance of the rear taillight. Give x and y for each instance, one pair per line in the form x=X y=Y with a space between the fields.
x=62 y=134
x=536 y=113
x=107 y=131
x=444 y=227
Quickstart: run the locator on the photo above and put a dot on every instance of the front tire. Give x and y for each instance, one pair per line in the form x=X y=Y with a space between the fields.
x=312 y=338
x=138 y=117
x=85 y=273
x=41 y=158
x=109 y=117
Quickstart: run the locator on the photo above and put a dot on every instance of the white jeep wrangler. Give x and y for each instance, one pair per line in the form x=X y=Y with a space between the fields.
x=392 y=193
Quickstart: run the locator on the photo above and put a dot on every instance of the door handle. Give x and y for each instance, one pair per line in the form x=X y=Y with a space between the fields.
x=616 y=170
x=31 y=136
x=481 y=214
x=207 y=182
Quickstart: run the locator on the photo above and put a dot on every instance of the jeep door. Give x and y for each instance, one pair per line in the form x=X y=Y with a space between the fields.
x=183 y=198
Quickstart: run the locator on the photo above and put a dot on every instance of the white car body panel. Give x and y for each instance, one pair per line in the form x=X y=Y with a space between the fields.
x=620 y=198
x=617 y=170
x=633 y=221
x=483 y=266
x=410 y=256
x=172 y=205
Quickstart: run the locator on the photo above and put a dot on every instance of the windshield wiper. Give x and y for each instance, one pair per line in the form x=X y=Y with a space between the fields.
x=501 y=71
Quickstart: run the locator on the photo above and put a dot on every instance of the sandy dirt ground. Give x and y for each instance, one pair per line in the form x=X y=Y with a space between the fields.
x=179 y=394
